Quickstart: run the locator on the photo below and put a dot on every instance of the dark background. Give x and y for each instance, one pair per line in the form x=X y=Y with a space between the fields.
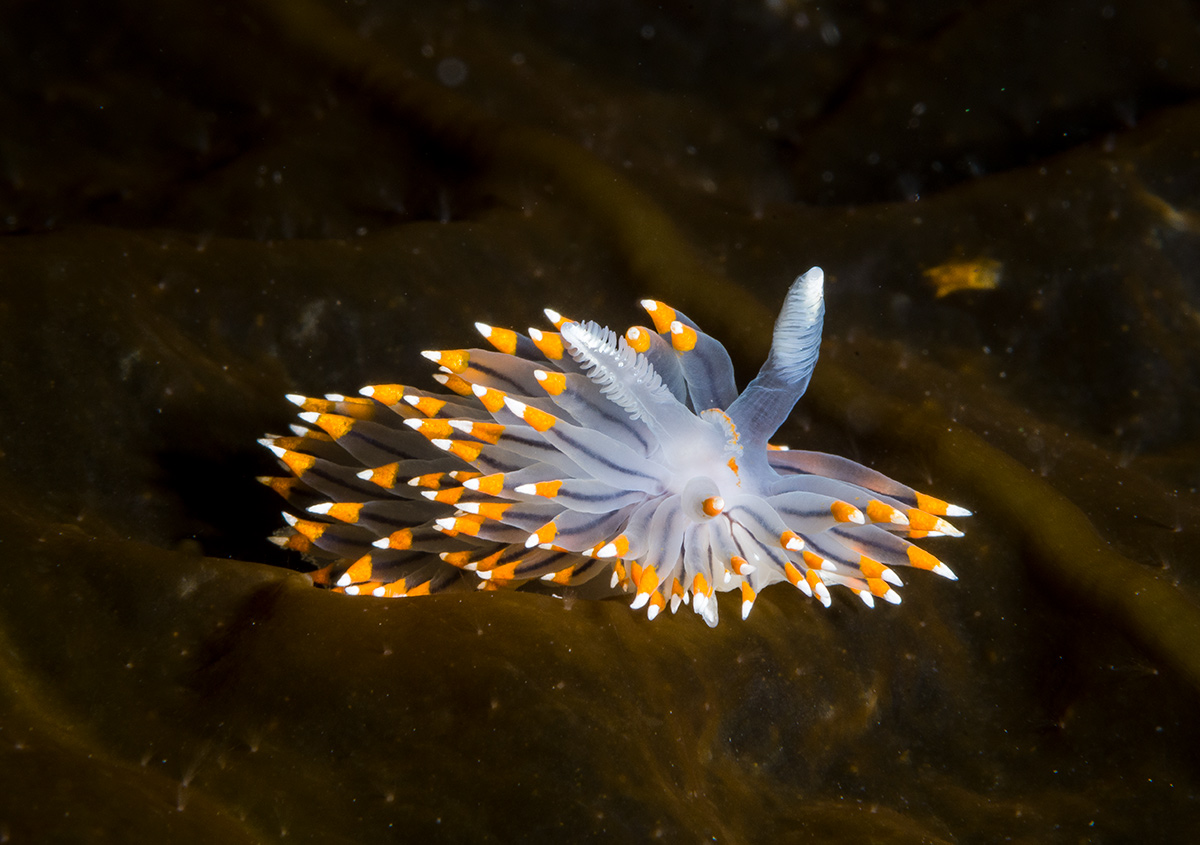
x=205 y=206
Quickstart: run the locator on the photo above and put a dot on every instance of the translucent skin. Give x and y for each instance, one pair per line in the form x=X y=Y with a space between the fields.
x=563 y=456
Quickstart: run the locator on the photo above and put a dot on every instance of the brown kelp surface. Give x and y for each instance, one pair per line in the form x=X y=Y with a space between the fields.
x=206 y=208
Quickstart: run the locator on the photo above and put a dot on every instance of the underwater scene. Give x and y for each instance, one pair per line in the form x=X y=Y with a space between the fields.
x=600 y=421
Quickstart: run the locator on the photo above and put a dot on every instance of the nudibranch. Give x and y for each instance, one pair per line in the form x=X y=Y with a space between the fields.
x=564 y=455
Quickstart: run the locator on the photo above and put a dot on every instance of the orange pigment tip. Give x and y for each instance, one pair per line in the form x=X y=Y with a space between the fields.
x=542 y=536
x=552 y=383
x=548 y=343
x=492 y=484
x=341 y=511
x=683 y=338
x=546 y=489
x=464 y=449
x=447 y=495
x=490 y=398
x=660 y=313
x=388 y=394
x=431 y=428
x=846 y=512
x=487 y=432
x=358 y=572
x=453 y=382
x=556 y=319
x=638 y=339
x=748 y=597
x=505 y=340
x=877 y=511
x=298 y=462
x=427 y=405
x=618 y=548
x=539 y=420
x=454 y=360
x=656 y=604
x=401 y=539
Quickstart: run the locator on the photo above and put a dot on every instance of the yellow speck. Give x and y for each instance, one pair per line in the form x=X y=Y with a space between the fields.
x=978 y=274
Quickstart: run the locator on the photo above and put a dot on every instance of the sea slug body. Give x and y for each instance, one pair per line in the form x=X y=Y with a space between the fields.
x=570 y=454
